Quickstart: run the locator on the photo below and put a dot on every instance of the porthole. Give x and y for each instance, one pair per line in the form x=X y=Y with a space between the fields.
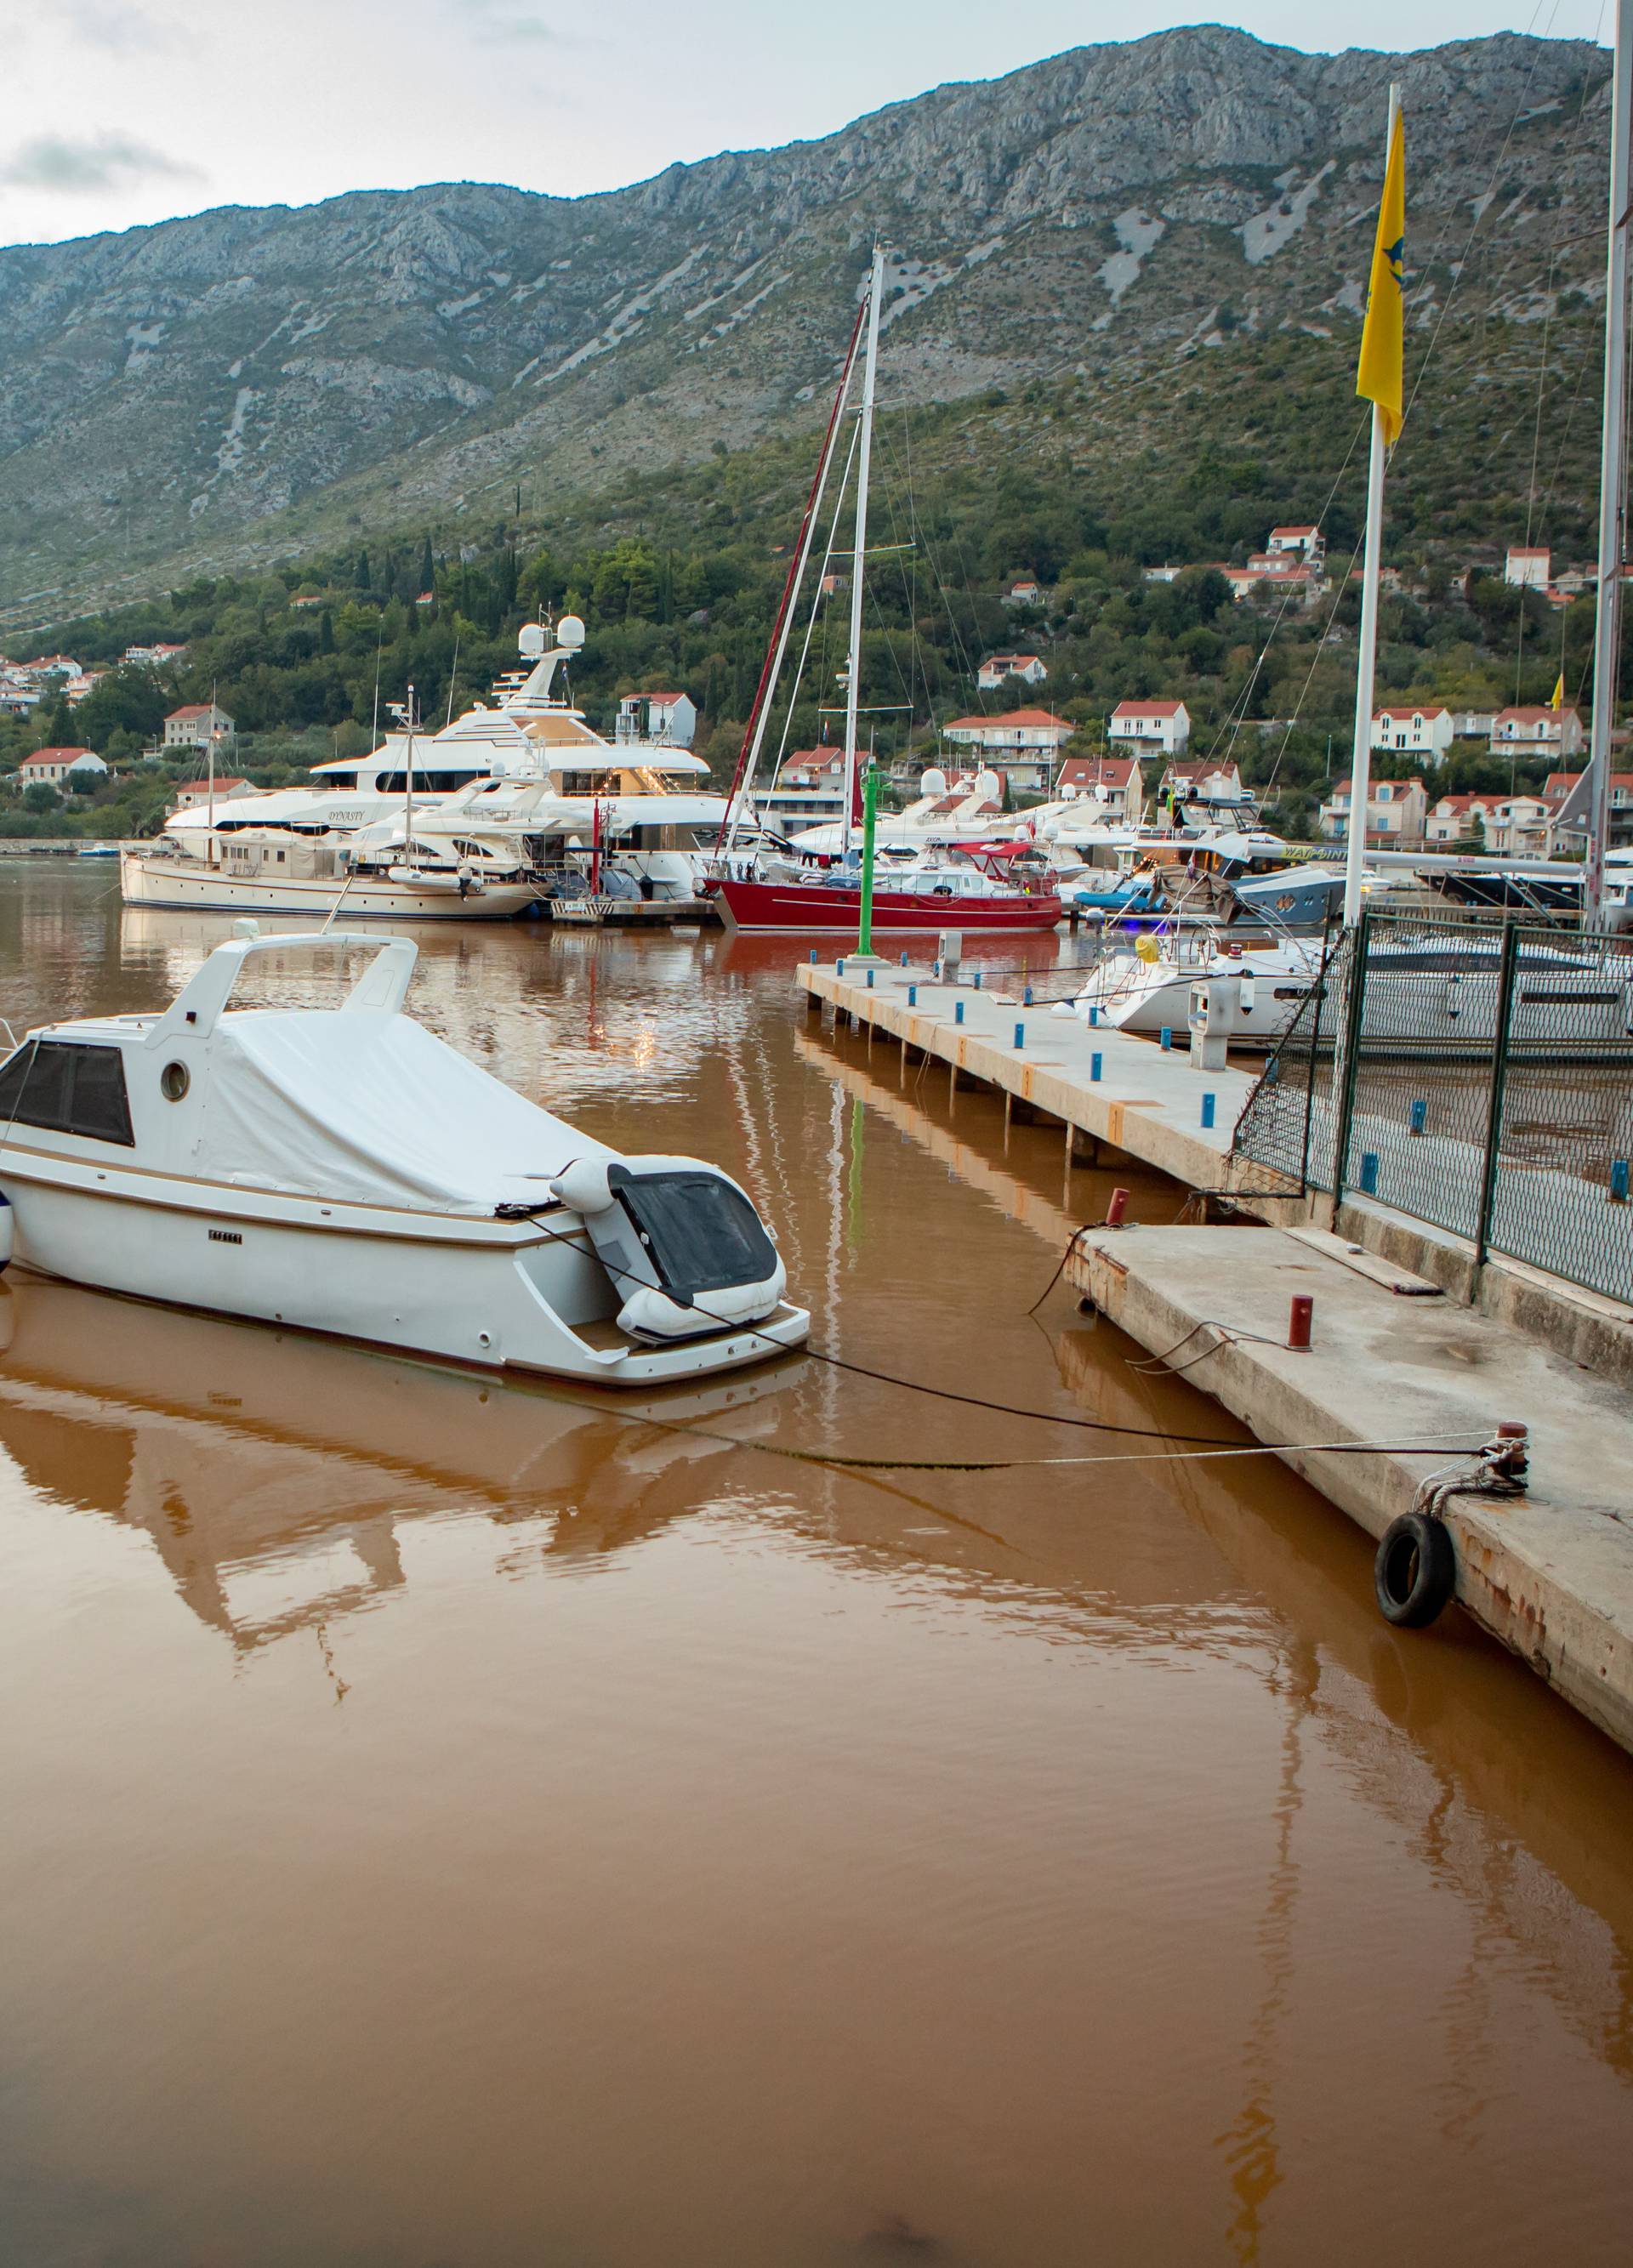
x=174 y=1081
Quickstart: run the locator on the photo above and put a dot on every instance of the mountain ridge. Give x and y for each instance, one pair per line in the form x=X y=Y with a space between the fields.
x=238 y=385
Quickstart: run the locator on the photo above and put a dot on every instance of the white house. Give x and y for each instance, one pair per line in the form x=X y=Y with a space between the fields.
x=1526 y=567
x=1536 y=732
x=1301 y=542
x=671 y=719
x=1157 y=727
x=809 y=787
x=1420 y=732
x=997 y=667
x=1117 y=780
x=193 y=795
x=1025 y=591
x=1473 y=723
x=196 y=725
x=1202 y=782
x=1395 y=812
x=1558 y=787
x=18 y=697
x=55 y=765
x=1022 y=743
x=154 y=657
x=47 y=666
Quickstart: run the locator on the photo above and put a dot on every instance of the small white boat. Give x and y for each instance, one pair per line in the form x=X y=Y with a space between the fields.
x=342 y=1170
x=1147 y=989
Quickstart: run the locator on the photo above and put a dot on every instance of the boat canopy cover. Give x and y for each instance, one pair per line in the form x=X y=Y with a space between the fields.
x=368 y=1108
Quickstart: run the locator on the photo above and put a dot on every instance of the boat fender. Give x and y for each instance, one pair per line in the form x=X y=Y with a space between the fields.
x=8 y=1234
x=1415 y=1571
x=584 y=1185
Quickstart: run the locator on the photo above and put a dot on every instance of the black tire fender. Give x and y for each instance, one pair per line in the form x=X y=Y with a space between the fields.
x=1415 y=1572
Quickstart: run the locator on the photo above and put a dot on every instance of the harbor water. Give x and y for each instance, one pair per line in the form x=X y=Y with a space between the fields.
x=449 y=1822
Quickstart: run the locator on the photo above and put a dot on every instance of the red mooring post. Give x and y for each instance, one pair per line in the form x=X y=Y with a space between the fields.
x=1118 y=1207
x=1299 y=1317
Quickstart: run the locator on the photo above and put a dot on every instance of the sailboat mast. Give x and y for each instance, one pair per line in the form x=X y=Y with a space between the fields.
x=1366 y=659
x=853 y=691
x=1612 y=479
x=408 y=787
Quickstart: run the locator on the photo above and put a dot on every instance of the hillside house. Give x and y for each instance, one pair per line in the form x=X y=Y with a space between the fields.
x=998 y=667
x=1536 y=732
x=194 y=795
x=1558 y=785
x=1117 y=781
x=1209 y=785
x=1396 y=813
x=1025 y=591
x=671 y=719
x=1154 y=727
x=1166 y=573
x=17 y=696
x=53 y=766
x=809 y=788
x=196 y=725
x=1511 y=824
x=1473 y=723
x=1300 y=541
x=1022 y=744
x=158 y=656
x=49 y=669
x=1526 y=567
x=1419 y=731
x=78 y=688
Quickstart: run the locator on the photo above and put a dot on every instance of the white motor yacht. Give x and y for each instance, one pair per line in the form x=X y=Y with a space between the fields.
x=340 y=1169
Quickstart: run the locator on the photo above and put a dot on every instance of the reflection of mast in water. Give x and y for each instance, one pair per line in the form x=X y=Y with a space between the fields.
x=1251 y=2145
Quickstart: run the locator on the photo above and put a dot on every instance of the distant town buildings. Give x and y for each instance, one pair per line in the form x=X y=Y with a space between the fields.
x=1527 y=734
x=1395 y=812
x=1154 y=727
x=1022 y=743
x=998 y=667
x=1526 y=567
x=53 y=766
x=669 y=717
x=1305 y=541
x=1116 y=781
x=191 y=795
x=1420 y=732
x=154 y=657
x=809 y=787
x=1515 y=825
x=196 y=725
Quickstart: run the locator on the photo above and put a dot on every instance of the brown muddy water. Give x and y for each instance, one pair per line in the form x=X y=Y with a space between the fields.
x=449 y=1824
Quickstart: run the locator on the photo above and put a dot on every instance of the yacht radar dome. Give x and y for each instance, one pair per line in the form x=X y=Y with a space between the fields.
x=933 y=781
x=530 y=641
x=570 y=633
x=988 y=785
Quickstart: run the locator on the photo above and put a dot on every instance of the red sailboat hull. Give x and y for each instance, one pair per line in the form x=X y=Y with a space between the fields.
x=809 y=908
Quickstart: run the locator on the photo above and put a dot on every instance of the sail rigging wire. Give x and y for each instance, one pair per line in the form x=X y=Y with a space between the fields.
x=754 y=730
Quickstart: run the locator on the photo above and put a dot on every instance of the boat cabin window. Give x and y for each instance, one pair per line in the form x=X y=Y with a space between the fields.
x=69 y=1088
x=702 y=1234
x=432 y=783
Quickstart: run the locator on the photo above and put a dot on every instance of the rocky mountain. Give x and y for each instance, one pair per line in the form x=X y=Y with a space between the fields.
x=245 y=383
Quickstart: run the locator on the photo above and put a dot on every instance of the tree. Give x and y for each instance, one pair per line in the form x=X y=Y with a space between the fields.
x=39 y=795
x=427 y=569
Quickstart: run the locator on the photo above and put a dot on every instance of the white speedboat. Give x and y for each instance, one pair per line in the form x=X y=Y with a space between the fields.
x=1147 y=987
x=342 y=1170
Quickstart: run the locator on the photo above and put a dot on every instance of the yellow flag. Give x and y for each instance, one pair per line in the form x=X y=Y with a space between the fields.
x=1379 y=377
x=1558 y=702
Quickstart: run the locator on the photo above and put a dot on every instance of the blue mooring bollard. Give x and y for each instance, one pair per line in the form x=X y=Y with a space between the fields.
x=957 y=1012
x=870 y=979
x=1168 y=1039
x=839 y=969
x=903 y=960
x=1207 y=1110
x=1418 y=1117
x=1026 y=996
x=1369 y=1172
x=813 y=957
x=1094 y=1017
x=1094 y=1067
x=912 y=996
x=1020 y=1036
x=1619 y=1181
x=976 y=980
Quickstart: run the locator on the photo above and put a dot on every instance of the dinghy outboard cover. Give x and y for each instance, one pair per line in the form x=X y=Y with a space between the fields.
x=680 y=1239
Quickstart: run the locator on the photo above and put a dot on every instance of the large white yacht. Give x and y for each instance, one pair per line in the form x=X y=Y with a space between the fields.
x=656 y=822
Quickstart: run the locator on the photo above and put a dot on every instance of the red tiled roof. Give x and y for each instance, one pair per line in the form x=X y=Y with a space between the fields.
x=1534 y=716
x=1009 y=717
x=54 y=756
x=1092 y=771
x=1420 y=711
x=1148 y=709
x=190 y=708
x=202 y=787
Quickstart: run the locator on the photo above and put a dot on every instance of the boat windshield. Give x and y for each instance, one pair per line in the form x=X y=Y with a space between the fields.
x=702 y=1234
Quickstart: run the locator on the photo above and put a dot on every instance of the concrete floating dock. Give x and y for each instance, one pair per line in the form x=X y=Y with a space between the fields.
x=1551 y=1573
x=1147 y=1101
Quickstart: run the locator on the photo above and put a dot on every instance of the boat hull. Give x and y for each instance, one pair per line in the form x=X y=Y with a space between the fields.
x=521 y=1295
x=809 y=909
x=181 y=887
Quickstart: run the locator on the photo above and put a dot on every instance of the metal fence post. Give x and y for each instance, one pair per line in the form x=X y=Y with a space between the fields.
x=1499 y=1081
x=1355 y=1008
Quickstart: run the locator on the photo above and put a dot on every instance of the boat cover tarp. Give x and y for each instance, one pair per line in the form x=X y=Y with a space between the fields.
x=371 y=1108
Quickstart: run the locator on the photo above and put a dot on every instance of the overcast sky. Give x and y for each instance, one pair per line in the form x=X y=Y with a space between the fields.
x=123 y=111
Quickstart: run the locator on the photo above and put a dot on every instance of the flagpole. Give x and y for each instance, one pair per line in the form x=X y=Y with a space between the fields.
x=1366 y=664
x=853 y=691
x=1612 y=481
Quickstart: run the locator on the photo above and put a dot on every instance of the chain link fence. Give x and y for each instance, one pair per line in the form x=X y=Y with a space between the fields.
x=1476 y=1076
